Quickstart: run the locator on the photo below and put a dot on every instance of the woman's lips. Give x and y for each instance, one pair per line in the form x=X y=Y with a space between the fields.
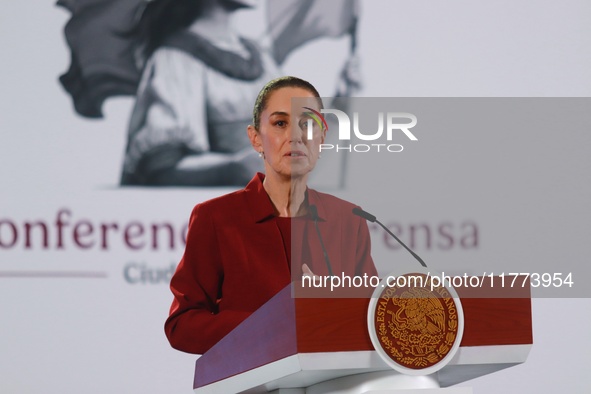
x=295 y=153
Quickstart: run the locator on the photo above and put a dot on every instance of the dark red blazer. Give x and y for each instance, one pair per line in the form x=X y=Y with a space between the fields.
x=235 y=261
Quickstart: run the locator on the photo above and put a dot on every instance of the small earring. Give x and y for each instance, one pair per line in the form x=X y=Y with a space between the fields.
x=262 y=154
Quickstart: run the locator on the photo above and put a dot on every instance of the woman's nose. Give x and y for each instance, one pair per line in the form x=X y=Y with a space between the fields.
x=299 y=132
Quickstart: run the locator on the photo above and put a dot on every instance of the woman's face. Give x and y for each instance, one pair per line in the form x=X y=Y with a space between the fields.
x=283 y=133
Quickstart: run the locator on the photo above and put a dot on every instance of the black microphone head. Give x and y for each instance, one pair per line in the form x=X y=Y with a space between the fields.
x=313 y=212
x=366 y=215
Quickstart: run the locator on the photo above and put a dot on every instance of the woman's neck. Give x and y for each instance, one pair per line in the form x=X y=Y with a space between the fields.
x=287 y=195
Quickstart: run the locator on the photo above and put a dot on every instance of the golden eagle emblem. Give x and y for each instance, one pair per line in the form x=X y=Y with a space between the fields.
x=415 y=325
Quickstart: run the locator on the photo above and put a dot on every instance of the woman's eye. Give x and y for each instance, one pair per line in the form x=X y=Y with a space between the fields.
x=281 y=123
x=308 y=121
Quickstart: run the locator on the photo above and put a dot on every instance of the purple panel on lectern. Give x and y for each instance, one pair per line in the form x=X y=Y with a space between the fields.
x=271 y=336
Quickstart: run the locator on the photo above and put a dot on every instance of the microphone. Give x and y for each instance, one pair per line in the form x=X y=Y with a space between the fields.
x=314 y=213
x=368 y=216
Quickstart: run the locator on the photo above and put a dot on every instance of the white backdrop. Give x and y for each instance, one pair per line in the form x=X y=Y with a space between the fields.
x=103 y=333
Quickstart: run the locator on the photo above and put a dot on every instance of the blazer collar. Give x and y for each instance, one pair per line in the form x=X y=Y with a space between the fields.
x=314 y=199
x=261 y=206
x=258 y=200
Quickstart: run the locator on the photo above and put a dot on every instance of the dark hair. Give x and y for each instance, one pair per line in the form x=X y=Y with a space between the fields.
x=276 y=84
x=161 y=18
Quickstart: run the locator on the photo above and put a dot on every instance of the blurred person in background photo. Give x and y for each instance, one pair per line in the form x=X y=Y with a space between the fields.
x=194 y=76
x=193 y=100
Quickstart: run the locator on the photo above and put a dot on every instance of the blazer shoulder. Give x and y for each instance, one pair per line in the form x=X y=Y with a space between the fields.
x=221 y=204
x=335 y=207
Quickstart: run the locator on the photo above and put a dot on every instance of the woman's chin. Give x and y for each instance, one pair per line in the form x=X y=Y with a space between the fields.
x=298 y=171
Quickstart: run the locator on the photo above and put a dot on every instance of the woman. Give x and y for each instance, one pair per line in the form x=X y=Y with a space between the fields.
x=193 y=101
x=242 y=248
